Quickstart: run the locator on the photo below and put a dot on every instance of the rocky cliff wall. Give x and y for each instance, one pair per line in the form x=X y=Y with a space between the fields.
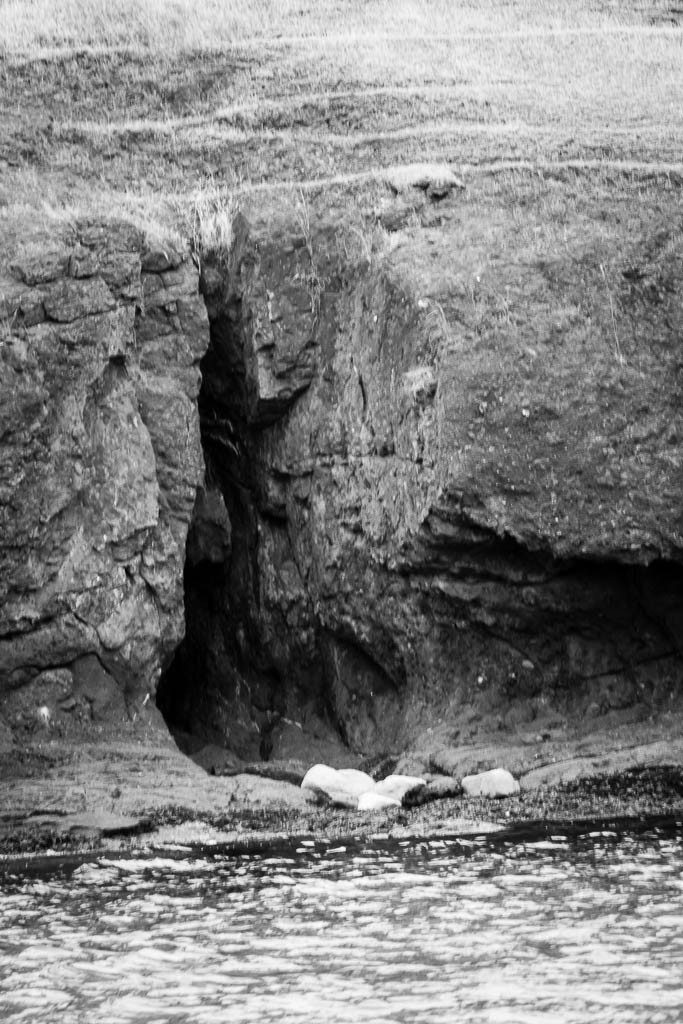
x=100 y=458
x=444 y=487
x=443 y=483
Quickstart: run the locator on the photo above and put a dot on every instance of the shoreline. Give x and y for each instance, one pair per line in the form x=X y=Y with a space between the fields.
x=135 y=799
x=257 y=844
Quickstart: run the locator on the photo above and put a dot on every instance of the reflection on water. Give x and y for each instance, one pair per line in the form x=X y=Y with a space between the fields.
x=491 y=930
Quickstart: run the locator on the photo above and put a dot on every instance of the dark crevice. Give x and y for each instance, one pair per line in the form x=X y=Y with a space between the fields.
x=224 y=684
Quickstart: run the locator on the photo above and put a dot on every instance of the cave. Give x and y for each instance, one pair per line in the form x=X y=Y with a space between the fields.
x=343 y=592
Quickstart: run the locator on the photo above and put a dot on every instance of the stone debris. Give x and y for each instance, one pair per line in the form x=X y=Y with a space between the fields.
x=498 y=782
x=349 y=787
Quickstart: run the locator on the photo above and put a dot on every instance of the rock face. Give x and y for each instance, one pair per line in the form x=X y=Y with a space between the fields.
x=100 y=460
x=442 y=494
x=451 y=496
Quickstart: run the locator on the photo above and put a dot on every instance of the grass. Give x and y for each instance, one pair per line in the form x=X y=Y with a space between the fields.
x=32 y=26
x=166 y=110
x=213 y=212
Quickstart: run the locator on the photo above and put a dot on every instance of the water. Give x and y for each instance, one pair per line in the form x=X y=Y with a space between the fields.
x=495 y=930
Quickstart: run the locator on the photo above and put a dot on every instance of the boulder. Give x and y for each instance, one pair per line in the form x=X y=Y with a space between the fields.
x=342 y=787
x=492 y=784
x=356 y=781
x=376 y=802
x=441 y=787
x=436 y=180
x=398 y=786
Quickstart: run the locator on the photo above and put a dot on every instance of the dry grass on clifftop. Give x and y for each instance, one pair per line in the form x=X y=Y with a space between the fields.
x=143 y=106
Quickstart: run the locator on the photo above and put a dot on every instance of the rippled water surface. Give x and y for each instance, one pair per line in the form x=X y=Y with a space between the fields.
x=496 y=930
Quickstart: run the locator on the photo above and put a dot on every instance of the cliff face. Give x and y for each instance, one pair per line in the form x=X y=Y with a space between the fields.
x=442 y=493
x=100 y=459
x=444 y=486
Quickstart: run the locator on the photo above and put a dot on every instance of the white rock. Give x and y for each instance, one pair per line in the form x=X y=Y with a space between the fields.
x=355 y=781
x=338 y=786
x=319 y=777
x=376 y=802
x=396 y=786
x=422 y=176
x=44 y=715
x=495 y=783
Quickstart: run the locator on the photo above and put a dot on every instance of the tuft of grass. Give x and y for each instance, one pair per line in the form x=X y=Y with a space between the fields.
x=214 y=209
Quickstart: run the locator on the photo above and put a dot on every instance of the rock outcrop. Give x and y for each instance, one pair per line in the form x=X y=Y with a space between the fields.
x=454 y=497
x=100 y=461
x=443 y=484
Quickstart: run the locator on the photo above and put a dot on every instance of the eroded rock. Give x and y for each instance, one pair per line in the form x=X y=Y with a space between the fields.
x=100 y=460
x=440 y=511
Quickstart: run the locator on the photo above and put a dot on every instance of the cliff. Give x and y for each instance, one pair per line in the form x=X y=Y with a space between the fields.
x=442 y=496
x=445 y=463
x=100 y=458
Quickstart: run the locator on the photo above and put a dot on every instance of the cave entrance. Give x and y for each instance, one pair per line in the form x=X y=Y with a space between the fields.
x=247 y=675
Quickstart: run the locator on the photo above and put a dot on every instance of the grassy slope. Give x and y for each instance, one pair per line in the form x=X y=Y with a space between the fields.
x=154 y=106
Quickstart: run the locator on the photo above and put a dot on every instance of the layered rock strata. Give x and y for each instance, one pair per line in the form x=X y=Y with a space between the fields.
x=100 y=460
